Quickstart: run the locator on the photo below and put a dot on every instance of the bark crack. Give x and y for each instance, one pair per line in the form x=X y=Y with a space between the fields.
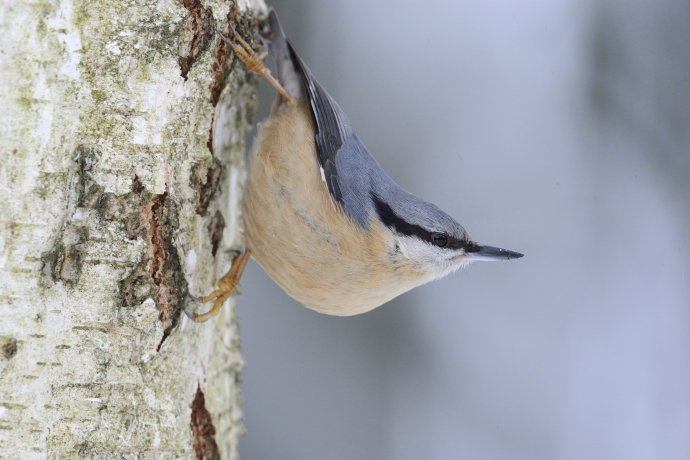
x=203 y=430
x=194 y=35
x=223 y=62
x=64 y=260
x=164 y=265
x=215 y=229
x=246 y=27
x=154 y=218
x=206 y=179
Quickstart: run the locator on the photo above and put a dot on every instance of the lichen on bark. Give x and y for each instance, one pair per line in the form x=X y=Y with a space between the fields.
x=101 y=236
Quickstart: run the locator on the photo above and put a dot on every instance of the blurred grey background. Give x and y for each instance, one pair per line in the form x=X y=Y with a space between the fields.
x=558 y=129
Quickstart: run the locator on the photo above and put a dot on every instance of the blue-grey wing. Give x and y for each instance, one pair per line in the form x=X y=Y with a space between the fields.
x=331 y=126
x=349 y=171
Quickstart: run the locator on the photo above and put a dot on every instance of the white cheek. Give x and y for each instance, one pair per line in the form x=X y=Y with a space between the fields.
x=417 y=250
x=437 y=261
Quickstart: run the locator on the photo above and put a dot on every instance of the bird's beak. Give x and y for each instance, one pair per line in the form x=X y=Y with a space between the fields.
x=491 y=253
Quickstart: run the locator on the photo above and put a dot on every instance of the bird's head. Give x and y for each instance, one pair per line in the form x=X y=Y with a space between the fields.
x=429 y=237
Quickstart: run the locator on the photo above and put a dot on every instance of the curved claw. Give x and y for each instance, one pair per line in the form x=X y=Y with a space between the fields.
x=232 y=28
x=227 y=40
x=226 y=286
x=246 y=54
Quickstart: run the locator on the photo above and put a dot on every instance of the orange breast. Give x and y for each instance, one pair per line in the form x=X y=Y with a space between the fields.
x=304 y=240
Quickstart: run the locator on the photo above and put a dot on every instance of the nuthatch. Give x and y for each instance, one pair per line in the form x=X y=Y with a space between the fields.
x=321 y=216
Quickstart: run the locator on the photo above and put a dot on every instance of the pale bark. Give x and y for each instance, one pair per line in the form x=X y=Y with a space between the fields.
x=108 y=217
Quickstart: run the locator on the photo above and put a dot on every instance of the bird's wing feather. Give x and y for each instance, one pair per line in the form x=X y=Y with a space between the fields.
x=331 y=126
x=348 y=170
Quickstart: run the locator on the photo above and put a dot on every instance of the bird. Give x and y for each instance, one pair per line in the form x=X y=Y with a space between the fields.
x=321 y=216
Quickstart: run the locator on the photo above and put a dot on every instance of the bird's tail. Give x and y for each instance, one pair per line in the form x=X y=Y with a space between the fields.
x=281 y=50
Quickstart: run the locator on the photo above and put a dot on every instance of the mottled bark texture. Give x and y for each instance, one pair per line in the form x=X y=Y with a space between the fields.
x=121 y=164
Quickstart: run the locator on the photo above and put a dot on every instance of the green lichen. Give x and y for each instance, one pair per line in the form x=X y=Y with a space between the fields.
x=41 y=28
x=82 y=448
x=98 y=96
x=50 y=184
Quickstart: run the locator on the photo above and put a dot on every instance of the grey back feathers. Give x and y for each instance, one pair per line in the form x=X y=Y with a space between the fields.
x=353 y=177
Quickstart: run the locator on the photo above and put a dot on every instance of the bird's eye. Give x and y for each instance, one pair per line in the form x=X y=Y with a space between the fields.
x=439 y=239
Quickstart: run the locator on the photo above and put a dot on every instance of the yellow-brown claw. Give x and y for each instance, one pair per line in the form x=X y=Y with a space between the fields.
x=246 y=54
x=226 y=287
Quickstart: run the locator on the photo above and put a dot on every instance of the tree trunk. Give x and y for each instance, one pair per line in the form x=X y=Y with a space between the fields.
x=122 y=130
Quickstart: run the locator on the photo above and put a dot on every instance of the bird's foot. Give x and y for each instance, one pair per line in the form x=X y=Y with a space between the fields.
x=226 y=286
x=254 y=62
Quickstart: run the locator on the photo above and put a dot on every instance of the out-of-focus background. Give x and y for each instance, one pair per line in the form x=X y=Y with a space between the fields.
x=557 y=129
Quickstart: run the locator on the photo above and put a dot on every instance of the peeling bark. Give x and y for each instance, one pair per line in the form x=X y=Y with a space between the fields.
x=109 y=108
x=164 y=265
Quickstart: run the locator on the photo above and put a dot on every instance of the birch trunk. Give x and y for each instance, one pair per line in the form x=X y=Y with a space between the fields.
x=122 y=130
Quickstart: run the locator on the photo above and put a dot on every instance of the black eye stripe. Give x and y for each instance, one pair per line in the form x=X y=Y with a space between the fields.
x=391 y=220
